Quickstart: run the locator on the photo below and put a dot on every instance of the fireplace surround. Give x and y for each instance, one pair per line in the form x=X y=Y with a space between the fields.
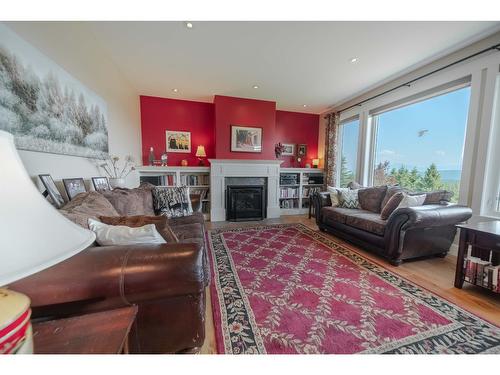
x=222 y=172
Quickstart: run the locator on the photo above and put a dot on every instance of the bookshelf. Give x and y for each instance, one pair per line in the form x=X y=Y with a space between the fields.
x=296 y=186
x=197 y=178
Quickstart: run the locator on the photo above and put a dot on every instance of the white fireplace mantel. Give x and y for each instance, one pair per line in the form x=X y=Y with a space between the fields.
x=222 y=168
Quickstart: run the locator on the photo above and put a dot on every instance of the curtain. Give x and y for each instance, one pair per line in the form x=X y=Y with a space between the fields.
x=331 y=140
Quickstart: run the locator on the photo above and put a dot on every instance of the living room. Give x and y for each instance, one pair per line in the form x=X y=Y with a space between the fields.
x=249 y=186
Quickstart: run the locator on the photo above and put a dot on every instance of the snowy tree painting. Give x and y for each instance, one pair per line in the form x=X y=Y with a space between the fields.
x=45 y=108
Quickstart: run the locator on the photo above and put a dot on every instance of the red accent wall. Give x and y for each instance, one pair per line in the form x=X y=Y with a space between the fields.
x=295 y=128
x=247 y=112
x=210 y=125
x=161 y=114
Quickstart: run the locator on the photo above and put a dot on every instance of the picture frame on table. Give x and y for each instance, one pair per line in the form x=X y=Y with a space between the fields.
x=74 y=186
x=246 y=139
x=178 y=141
x=51 y=190
x=289 y=149
x=101 y=183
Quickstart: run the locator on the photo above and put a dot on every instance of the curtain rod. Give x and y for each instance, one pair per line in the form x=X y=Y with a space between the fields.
x=407 y=84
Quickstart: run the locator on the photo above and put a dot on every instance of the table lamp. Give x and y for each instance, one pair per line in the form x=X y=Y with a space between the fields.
x=315 y=163
x=200 y=154
x=33 y=237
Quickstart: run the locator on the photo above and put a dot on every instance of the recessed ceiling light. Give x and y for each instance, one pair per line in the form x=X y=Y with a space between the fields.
x=255 y=86
x=189 y=25
x=354 y=60
x=304 y=105
x=175 y=90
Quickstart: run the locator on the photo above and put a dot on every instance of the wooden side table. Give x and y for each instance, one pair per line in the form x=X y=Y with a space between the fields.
x=484 y=239
x=97 y=333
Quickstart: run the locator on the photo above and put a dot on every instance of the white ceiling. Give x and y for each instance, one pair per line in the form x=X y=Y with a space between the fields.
x=293 y=63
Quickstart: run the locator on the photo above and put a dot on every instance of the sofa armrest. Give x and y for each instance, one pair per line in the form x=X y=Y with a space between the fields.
x=320 y=200
x=432 y=215
x=427 y=216
x=120 y=275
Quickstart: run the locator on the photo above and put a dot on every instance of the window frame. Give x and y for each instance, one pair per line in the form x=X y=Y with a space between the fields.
x=373 y=118
x=340 y=139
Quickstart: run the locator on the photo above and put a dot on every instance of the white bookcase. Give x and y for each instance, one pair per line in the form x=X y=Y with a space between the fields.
x=197 y=178
x=294 y=197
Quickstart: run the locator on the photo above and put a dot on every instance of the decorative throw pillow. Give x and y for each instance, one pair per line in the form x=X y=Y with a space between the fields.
x=85 y=206
x=353 y=185
x=412 y=200
x=391 y=190
x=160 y=222
x=334 y=194
x=370 y=199
x=172 y=201
x=391 y=205
x=109 y=235
x=348 y=199
x=129 y=202
x=438 y=197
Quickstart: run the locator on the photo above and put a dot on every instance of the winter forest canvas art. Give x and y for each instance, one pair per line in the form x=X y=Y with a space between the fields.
x=45 y=108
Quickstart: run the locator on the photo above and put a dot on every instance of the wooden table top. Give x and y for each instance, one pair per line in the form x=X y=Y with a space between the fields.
x=96 y=333
x=490 y=227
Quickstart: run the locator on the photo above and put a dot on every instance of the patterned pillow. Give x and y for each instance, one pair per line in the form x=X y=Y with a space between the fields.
x=348 y=199
x=172 y=201
x=334 y=195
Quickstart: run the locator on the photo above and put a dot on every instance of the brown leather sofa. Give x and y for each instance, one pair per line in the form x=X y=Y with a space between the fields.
x=408 y=233
x=167 y=282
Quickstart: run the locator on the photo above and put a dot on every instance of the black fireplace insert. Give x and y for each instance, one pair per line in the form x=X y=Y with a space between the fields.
x=245 y=202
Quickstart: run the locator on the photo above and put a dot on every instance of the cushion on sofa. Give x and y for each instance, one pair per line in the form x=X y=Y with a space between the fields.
x=121 y=235
x=89 y=205
x=196 y=217
x=160 y=222
x=391 y=190
x=131 y=202
x=438 y=196
x=353 y=185
x=391 y=205
x=367 y=221
x=172 y=201
x=371 y=198
x=348 y=199
x=336 y=214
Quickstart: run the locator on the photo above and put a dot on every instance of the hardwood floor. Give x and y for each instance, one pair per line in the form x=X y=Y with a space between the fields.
x=434 y=274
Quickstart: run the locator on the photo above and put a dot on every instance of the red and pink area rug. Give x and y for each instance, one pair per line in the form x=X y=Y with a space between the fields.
x=282 y=289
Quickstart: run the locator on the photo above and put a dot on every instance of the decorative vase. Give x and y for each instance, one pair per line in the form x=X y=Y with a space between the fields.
x=117 y=182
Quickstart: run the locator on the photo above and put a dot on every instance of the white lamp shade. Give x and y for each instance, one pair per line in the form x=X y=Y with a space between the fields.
x=33 y=235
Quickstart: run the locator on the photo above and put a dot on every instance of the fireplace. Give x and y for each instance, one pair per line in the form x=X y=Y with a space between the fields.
x=245 y=202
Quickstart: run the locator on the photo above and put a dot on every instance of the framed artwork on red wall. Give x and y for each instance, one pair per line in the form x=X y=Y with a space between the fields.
x=178 y=141
x=246 y=139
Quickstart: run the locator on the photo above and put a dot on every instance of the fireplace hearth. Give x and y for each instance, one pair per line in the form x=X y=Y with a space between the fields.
x=245 y=202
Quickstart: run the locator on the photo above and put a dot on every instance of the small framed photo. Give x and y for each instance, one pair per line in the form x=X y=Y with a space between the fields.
x=178 y=141
x=246 y=139
x=101 y=183
x=301 y=150
x=289 y=149
x=51 y=190
x=74 y=186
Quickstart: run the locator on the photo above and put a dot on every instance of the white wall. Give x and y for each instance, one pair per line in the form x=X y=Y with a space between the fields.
x=75 y=49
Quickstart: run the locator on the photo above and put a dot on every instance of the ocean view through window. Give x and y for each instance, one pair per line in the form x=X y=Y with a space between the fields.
x=420 y=146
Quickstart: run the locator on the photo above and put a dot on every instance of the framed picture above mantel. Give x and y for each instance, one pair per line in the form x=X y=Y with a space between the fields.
x=178 y=141
x=246 y=139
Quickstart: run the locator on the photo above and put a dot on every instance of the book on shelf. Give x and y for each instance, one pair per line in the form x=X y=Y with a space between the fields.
x=482 y=273
x=289 y=192
x=195 y=179
x=288 y=204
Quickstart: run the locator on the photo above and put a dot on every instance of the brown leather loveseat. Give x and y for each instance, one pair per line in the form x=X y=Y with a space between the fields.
x=167 y=282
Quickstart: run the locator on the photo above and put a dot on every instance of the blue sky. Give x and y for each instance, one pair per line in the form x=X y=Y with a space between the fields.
x=432 y=131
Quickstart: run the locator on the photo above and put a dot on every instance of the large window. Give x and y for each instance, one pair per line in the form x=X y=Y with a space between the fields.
x=349 y=133
x=420 y=146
